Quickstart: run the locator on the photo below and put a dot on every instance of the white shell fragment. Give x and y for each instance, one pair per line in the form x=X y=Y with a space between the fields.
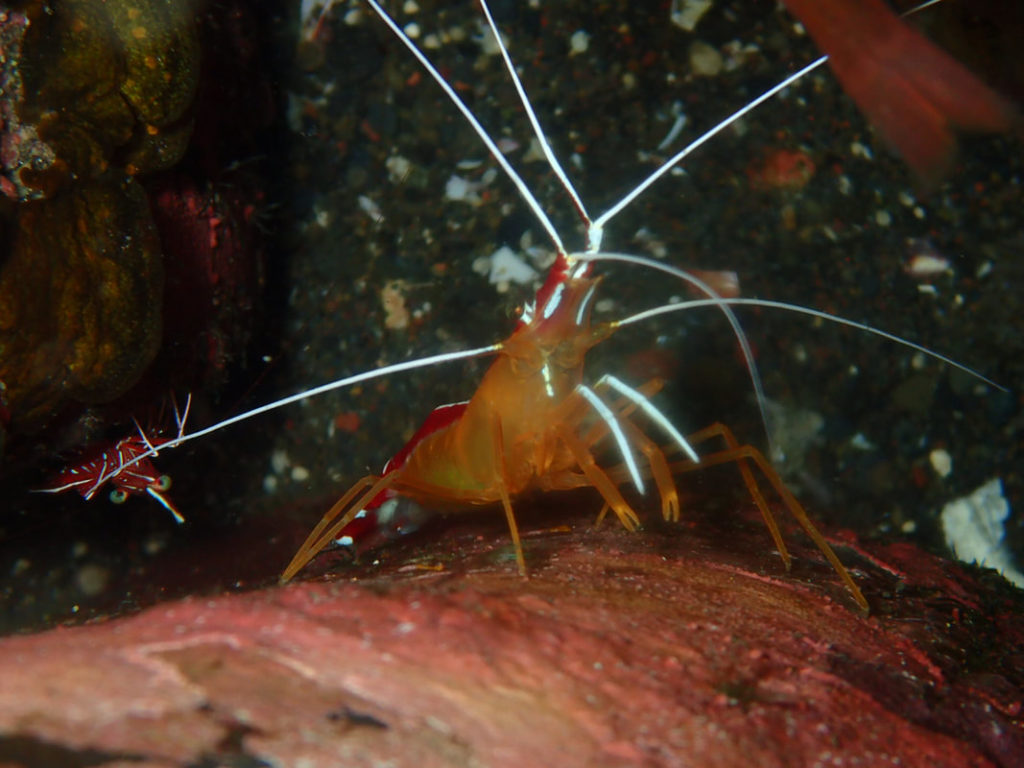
x=705 y=60
x=686 y=13
x=941 y=462
x=508 y=267
x=973 y=526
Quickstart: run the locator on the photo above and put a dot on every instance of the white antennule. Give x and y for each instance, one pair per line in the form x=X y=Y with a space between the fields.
x=652 y=411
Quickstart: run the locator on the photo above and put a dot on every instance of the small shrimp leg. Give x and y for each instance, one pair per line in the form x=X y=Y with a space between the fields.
x=741 y=454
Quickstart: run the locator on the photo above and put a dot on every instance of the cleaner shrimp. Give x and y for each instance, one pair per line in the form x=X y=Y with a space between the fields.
x=578 y=297
x=609 y=95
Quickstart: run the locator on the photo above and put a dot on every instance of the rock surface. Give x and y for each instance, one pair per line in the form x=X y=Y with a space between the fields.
x=668 y=647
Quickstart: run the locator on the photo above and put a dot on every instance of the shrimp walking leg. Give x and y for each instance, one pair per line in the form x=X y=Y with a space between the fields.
x=740 y=454
x=325 y=531
x=722 y=431
x=506 y=501
x=600 y=480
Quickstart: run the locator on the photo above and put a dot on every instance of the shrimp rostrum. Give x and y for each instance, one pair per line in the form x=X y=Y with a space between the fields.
x=533 y=425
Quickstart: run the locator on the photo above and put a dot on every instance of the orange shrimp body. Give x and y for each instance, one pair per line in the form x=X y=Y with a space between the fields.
x=521 y=400
x=531 y=426
x=514 y=436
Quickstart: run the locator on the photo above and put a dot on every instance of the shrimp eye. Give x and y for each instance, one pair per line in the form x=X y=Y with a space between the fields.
x=118 y=496
x=163 y=483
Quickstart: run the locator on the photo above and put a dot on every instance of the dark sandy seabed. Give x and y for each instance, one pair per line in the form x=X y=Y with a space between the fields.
x=841 y=243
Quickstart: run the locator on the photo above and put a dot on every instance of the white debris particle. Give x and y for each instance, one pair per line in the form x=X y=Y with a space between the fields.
x=941 y=462
x=579 y=42
x=687 y=13
x=845 y=185
x=677 y=126
x=925 y=260
x=705 y=60
x=466 y=191
x=392 y=299
x=857 y=149
x=371 y=209
x=154 y=545
x=92 y=579
x=300 y=474
x=883 y=218
x=909 y=526
x=506 y=145
x=794 y=432
x=984 y=270
x=279 y=462
x=398 y=168
x=861 y=443
x=481 y=265
x=906 y=199
x=926 y=265
x=269 y=484
x=410 y=7
x=488 y=43
x=973 y=526
x=534 y=152
x=412 y=29
x=506 y=266
x=929 y=289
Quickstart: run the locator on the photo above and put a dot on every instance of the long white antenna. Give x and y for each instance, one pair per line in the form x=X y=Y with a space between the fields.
x=524 y=191
x=348 y=381
x=717 y=300
x=642 y=187
x=769 y=304
x=725 y=305
x=538 y=131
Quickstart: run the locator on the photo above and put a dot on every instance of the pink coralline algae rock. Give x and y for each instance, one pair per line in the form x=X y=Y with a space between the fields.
x=661 y=648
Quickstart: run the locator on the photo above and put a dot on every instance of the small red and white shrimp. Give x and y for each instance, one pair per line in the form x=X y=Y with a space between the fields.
x=126 y=464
